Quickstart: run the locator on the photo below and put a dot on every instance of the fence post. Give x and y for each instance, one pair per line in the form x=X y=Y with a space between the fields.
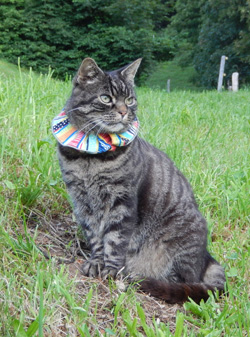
x=221 y=72
x=235 y=81
x=168 y=85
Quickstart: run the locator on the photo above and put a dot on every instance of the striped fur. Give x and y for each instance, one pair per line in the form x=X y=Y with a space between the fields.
x=136 y=208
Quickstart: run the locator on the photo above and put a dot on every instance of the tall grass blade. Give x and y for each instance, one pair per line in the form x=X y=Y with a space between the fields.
x=179 y=324
x=40 y=316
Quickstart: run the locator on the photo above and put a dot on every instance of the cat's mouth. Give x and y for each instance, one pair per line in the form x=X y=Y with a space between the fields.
x=114 y=127
x=101 y=126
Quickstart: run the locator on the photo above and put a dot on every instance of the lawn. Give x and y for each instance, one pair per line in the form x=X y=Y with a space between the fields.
x=42 y=293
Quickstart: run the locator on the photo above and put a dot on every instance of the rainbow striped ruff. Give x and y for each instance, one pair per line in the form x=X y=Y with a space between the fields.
x=67 y=135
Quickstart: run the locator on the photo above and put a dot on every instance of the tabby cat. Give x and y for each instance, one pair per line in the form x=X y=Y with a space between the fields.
x=136 y=209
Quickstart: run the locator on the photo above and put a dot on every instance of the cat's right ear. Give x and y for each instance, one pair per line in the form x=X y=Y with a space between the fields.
x=88 y=72
x=130 y=71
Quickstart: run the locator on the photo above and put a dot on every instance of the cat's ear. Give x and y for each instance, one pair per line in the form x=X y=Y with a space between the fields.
x=88 y=72
x=130 y=71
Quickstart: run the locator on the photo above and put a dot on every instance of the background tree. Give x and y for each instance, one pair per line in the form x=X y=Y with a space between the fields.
x=59 y=34
x=242 y=43
x=184 y=29
x=11 y=26
x=221 y=27
x=204 y=30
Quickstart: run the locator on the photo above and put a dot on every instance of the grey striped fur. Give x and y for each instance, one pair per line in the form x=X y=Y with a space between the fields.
x=137 y=210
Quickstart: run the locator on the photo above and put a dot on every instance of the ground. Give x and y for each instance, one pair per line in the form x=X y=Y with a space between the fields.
x=59 y=239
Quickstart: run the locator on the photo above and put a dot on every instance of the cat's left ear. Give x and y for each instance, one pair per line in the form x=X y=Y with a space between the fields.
x=130 y=71
x=88 y=72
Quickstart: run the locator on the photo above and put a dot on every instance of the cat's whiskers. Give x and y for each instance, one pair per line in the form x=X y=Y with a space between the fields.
x=72 y=110
x=90 y=123
x=100 y=129
x=95 y=123
x=88 y=132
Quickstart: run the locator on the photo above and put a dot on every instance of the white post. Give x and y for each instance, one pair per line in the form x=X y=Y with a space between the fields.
x=168 y=85
x=221 y=72
x=235 y=81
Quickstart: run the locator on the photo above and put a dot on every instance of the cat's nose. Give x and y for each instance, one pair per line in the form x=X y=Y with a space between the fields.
x=122 y=110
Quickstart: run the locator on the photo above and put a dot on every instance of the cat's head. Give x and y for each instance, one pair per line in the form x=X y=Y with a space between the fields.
x=103 y=102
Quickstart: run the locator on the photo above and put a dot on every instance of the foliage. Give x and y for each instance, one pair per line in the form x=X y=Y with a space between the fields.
x=219 y=31
x=184 y=29
x=206 y=30
x=60 y=34
x=242 y=43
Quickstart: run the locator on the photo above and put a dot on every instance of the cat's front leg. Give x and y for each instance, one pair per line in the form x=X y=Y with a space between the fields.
x=115 y=248
x=95 y=264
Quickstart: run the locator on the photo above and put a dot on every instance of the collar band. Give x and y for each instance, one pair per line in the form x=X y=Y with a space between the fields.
x=67 y=135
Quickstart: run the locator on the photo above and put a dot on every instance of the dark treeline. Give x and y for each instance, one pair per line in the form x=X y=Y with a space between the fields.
x=61 y=33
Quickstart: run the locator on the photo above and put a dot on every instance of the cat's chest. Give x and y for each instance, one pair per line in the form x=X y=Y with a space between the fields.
x=96 y=183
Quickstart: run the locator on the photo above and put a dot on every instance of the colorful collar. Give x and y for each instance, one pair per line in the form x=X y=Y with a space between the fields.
x=67 y=135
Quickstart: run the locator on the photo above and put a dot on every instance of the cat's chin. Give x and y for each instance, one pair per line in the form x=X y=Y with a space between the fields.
x=105 y=128
x=115 y=128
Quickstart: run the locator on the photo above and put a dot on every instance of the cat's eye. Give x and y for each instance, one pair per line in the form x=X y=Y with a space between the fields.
x=106 y=99
x=129 y=100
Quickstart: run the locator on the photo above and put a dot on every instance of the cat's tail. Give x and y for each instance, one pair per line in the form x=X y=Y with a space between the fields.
x=177 y=292
x=213 y=279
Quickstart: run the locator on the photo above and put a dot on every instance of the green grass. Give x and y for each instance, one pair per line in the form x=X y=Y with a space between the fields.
x=206 y=134
x=181 y=78
x=7 y=69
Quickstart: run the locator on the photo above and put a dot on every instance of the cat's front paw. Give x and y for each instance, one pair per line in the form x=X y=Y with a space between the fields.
x=109 y=271
x=92 y=268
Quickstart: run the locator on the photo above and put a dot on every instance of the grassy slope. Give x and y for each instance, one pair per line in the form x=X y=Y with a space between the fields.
x=181 y=78
x=206 y=134
x=7 y=69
